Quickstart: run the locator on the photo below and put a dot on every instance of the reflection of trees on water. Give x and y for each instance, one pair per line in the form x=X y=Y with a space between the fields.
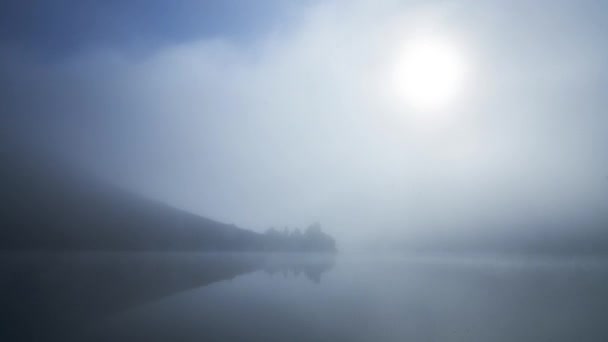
x=46 y=295
x=311 y=267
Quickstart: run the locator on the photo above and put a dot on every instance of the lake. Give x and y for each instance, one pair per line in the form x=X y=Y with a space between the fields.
x=291 y=297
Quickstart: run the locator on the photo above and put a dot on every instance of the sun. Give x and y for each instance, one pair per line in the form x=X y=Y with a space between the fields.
x=430 y=73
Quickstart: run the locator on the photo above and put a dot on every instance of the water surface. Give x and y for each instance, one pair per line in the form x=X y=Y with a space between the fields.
x=256 y=297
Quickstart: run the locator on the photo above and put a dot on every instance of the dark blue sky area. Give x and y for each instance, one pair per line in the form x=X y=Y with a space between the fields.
x=54 y=29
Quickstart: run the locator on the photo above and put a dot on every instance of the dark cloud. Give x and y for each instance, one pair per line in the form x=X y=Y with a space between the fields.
x=56 y=28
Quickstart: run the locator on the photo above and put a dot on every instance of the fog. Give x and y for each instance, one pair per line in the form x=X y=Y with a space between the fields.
x=286 y=119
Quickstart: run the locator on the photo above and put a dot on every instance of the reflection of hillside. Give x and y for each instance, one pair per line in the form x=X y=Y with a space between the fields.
x=48 y=297
x=44 y=296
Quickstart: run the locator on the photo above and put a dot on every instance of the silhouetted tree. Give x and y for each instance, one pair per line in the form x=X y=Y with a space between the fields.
x=313 y=239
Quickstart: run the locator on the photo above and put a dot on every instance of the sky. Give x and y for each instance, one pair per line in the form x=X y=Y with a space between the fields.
x=277 y=113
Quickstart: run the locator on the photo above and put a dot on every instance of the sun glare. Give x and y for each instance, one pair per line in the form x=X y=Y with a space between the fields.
x=429 y=73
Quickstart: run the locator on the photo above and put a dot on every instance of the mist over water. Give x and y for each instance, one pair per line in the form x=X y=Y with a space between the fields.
x=357 y=297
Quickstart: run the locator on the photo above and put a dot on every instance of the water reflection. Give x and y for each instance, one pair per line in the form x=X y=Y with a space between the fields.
x=311 y=266
x=391 y=299
x=50 y=297
x=304 y=298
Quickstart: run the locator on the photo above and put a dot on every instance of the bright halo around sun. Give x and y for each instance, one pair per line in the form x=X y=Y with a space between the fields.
x=430 y=73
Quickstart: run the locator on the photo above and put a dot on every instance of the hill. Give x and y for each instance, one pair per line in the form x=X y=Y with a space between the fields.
x=45 y=206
